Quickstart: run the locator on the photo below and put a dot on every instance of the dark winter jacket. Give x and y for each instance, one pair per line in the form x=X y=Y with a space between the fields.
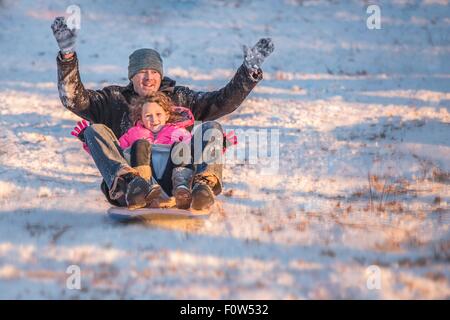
x=109 y=106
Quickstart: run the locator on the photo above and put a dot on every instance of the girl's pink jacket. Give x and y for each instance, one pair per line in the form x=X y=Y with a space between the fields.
x=169 y=134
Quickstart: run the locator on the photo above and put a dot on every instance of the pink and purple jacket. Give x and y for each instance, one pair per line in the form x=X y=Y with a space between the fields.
x=169 y=134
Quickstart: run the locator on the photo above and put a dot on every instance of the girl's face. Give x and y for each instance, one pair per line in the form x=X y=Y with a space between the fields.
x=154 y=117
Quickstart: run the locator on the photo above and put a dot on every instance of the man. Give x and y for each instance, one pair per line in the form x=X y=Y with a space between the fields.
x=108 y=111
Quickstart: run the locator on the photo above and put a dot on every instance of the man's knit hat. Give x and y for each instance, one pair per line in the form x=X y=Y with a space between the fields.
x=144 y=59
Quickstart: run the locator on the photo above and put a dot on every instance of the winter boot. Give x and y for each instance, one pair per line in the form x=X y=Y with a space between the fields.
x=138 y=191
x=145 y=172
x=202 y=191
x=181 y=182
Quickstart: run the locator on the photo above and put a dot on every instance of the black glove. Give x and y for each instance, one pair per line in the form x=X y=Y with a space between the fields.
x=65 y=37
x=254 y=57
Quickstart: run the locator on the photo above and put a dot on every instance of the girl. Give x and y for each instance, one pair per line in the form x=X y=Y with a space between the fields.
x=159 y=126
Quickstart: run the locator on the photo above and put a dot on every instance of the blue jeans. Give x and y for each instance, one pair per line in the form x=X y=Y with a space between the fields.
x=110 y=161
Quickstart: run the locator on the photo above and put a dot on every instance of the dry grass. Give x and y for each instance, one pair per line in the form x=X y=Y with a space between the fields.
x=381 y=189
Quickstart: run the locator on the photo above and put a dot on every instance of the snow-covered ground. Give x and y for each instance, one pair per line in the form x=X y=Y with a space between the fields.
x=364 y=154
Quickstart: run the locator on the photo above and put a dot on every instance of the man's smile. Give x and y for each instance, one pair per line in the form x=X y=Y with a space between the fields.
x=148 y=85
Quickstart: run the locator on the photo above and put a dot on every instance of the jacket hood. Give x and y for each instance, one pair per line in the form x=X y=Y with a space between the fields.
x=186 y=118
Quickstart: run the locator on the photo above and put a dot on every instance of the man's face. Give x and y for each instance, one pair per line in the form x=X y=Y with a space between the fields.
x=146 y=81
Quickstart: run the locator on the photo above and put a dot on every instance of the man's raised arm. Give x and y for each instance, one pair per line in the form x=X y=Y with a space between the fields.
x=88 y=104
x=215 y=104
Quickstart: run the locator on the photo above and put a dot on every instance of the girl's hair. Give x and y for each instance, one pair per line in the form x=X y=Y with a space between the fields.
x=158 y=97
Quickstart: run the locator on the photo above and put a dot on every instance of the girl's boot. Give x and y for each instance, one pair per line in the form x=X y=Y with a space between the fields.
x=181 y=182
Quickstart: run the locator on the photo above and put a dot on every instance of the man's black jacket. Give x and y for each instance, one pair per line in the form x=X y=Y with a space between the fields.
x=109 y=106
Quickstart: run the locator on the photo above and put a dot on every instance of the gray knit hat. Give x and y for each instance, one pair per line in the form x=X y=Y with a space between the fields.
x=144 y=59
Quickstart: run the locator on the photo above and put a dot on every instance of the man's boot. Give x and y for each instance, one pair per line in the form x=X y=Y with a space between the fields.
x=181 y=182
x=145 y=172
x=202 y=191
x=139 y=192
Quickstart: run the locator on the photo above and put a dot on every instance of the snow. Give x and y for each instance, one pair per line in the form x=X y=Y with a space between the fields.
x=363 y=177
